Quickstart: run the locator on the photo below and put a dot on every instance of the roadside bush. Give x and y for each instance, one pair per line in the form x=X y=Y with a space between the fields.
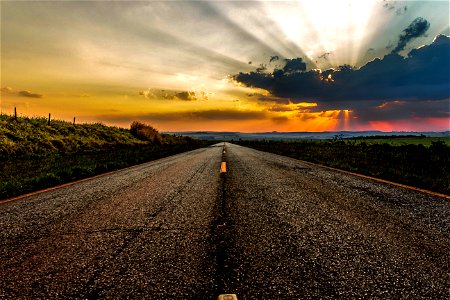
x=145 y=132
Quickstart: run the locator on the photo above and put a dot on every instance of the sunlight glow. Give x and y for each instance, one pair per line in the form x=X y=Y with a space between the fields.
x=329 y=32
x=346 y=119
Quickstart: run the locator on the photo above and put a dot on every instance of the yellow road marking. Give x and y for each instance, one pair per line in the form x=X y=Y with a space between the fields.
x=223 y=167
x=227 y=297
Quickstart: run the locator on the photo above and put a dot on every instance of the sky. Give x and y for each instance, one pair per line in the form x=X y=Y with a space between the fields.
x=249 y=66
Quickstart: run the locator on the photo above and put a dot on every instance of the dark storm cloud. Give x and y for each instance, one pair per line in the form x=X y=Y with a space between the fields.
x=417 y=28
x=294 y=65
x=422 y=75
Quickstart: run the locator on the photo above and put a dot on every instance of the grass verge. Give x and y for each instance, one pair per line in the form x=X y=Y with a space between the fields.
x=414 y=165
x=35 y=155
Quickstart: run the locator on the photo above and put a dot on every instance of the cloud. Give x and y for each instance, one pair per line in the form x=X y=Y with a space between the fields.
x=227 y=114
x=325 y=55
x=390 y=45
x=302 y=107
x=389 y=5
x=186 y=96
x=10 y=91
x=280 y=119
x=201 y=115
x=261 y=68
x=294 y=65
x=417 y=28
x=392 y=5
x=422 y=75
x=386 y=89
x=402 y=10
x=274 y=58
x=173 y=95
x=6 y=89
x=29 y=94
x=402 y=110
x=261 y=97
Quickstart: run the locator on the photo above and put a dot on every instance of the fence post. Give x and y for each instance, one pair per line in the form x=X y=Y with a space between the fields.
x=49 y=115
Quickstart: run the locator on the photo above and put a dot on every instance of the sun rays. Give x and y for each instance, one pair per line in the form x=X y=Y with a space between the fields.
x=329 y=33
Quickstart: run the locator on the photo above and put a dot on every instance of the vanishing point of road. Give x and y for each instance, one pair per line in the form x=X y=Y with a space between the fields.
x=271 y=227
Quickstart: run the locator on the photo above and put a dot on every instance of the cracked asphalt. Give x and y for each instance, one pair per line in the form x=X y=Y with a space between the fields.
x=271 y=228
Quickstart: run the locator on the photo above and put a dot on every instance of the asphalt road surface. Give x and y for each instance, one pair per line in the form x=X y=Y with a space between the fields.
x=270 y=228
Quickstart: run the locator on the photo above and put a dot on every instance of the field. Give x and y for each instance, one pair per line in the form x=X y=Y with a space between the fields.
x=35 y=155
x=401 y=141
x=424 y=165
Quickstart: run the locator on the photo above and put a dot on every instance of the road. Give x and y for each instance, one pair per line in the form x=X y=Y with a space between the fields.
x=271 y=228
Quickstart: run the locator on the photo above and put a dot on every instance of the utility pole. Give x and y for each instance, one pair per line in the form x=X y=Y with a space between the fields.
x=49 y=115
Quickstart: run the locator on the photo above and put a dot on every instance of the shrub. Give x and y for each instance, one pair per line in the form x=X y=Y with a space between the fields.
x=145 y=132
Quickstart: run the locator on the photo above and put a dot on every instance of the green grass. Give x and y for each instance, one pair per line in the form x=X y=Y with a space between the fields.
x=399 y=141
x=24 y=136
x=34 y=155
x=411 y=164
